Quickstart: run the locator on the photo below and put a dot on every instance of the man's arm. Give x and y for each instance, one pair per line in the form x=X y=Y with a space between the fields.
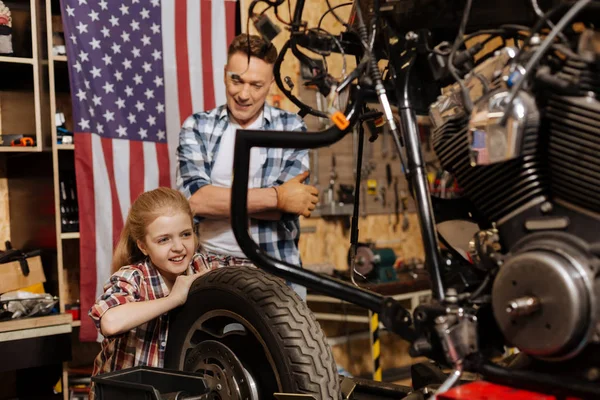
x=215 y=202
x=193 y=177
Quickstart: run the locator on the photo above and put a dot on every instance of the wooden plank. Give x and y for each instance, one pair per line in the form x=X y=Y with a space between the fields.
x=60 y=58
x=16 y=149
x=35 y=332
x=16 y=60
x=35 y=322
x=65 y=147
x=69 y=235
x=13 y=278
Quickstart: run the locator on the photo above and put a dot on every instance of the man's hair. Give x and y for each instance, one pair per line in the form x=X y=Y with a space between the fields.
x=258 y=48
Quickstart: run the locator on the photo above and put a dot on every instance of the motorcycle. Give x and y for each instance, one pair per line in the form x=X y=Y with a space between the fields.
x=517 y=126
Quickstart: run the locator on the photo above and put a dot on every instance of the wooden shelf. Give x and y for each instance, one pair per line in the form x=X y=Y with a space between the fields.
x=69 y=235
x=65 y=146
x=19 y=149
x=35 y=327
x=16 y=60
x=60 y=58
x=76 y=323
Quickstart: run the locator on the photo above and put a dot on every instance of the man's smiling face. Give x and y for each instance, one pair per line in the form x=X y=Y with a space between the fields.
x=246 y=87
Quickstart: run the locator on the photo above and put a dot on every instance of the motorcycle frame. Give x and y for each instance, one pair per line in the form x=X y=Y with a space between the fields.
x=403 y=53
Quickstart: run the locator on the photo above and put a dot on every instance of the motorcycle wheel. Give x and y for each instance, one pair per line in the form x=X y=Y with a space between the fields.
x=250 y=335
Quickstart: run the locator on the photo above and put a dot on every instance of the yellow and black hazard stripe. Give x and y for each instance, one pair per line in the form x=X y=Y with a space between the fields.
x=375 y=347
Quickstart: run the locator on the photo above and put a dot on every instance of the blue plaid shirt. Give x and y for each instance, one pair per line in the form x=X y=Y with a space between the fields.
x=198 y=147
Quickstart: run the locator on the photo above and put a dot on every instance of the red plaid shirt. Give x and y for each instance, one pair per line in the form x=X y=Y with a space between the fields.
x=146 y=344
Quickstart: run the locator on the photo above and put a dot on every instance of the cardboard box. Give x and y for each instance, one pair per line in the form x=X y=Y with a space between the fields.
x=17 y=113
x=12 y=278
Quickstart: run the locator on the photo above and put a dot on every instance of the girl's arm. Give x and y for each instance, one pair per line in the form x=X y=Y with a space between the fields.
x=130 y=315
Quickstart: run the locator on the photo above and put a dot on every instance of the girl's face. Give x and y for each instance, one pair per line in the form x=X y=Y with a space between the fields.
x=170 y=244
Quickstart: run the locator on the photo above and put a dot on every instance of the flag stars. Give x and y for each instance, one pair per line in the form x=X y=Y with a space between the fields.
x=73 y=38
x=77 y=66
x=80 y=95
x=131 y=118
x=160 y=108
x=149 y=94
x=94 y=16
x=147 y=67
x=143 y=133
x=84 y=124
x=114 y=21
x=99 y=128
x=103 y=4
x=108 y=88
x=137 y=79
x=118 y=76
x=70 y=11
x=151 y=120
x=146 y=40
x=139 y=106
x=136 y=52
x=91 y=111
x=155 y=28
x=109 y=116
x=158 y=81
x=105 y=31
x=107 y=59
x=97 y=100
x=135 y=26
x=145 y=13
x=86 y=83
x=82 y=28
x=160 y=134
x=124 y=9
x=81 y=2
x=120 y=103
x=129 y=91
x=96 y=72
x=95 y=43
x=116 y=48
x=155 y=3
x=125 y=36
x=156 y=54
x=127 y=64
x=84 y=56
x=122 y=131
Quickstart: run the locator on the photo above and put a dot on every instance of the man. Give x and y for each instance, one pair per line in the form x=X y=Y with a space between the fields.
x=277 y=193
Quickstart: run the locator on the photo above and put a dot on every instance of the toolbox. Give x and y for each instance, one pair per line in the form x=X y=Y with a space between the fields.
x=148 y=383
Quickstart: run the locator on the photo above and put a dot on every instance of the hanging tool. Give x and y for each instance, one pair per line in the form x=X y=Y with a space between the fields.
x=388 y=180
x=332 y=180
x=396 y=203
x=404 y=200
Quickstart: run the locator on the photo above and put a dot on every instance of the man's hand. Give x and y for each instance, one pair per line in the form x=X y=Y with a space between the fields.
x=297 y=198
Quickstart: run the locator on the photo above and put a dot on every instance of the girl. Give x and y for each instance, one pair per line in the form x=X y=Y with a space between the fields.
x=153 y=267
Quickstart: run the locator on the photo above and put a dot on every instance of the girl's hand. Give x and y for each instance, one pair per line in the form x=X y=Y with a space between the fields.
x=181 y=288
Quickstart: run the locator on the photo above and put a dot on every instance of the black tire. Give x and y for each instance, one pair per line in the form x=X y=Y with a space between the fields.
x=293 y=356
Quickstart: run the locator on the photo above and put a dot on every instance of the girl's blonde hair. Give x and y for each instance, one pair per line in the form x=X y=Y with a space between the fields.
x=145 y=209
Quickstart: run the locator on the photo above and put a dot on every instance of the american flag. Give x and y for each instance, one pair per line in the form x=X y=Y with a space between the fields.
x=138 y=69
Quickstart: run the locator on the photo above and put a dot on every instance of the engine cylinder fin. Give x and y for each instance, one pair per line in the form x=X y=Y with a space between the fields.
x=573 y=148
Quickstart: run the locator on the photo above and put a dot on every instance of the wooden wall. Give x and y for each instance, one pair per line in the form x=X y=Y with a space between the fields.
x=330 y=241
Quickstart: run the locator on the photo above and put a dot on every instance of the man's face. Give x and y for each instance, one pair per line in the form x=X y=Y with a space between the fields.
x=247 y=87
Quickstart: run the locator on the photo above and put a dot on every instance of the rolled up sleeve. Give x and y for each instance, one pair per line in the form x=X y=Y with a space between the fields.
x=193 y=166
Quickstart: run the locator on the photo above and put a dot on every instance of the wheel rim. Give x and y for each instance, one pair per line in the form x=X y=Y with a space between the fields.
x=222 y=345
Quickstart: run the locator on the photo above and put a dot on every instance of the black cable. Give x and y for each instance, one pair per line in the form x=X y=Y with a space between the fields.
x=539 y=53
x=330 y=10
x=467 y=103
x=536 y=28
x=540 y=14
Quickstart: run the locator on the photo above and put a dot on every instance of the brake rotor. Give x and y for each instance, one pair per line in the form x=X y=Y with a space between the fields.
x=223 y=372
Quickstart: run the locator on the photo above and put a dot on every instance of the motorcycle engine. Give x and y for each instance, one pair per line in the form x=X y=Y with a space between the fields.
x=535 y=183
